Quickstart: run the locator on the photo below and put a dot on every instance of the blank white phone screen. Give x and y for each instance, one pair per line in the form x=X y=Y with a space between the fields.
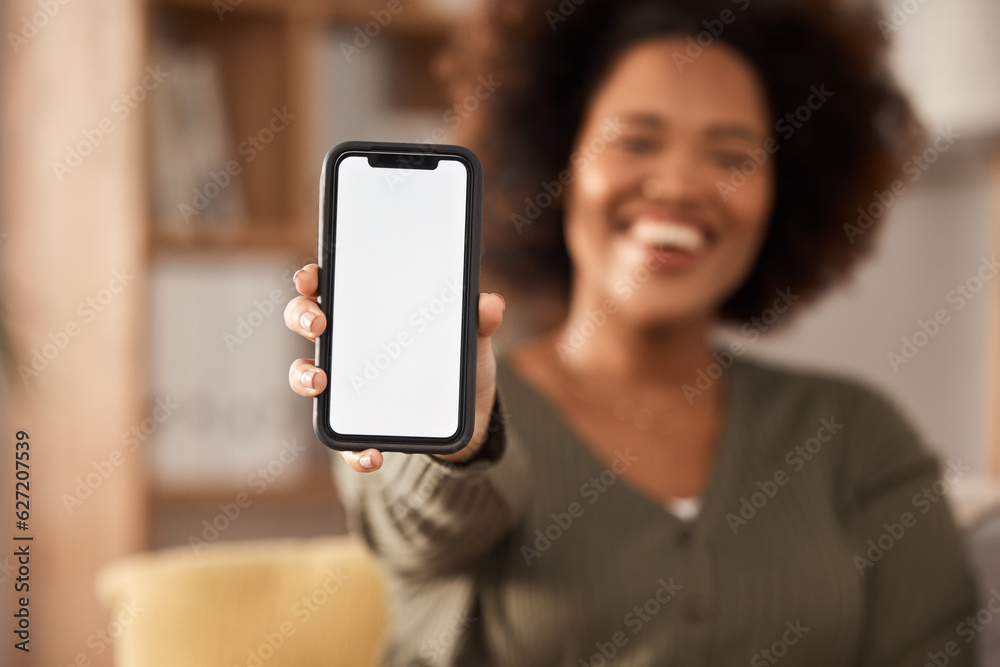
x=397 y=299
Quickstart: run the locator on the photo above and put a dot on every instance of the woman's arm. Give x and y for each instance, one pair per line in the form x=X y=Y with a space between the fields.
x=423 y=516
x=908 y=550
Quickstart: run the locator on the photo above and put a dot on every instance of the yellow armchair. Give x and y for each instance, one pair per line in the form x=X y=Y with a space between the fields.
x=321 y=602
x=301 y=603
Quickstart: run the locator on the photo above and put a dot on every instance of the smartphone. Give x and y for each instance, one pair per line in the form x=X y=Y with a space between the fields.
x=399 y=234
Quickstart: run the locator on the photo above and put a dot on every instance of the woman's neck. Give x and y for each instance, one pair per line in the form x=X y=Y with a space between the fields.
x=612 y=348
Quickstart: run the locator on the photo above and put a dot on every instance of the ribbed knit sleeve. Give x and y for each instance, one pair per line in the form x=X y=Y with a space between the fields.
x=425 y=517
x=908 y=550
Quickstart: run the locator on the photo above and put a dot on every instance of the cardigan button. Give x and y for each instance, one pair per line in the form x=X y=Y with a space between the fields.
x=683 y=538
x=694 y=609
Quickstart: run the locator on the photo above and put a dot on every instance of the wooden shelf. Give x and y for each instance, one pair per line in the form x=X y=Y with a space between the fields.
x=221 y=8
x=177 y=238
x=314 y=487
x=265 y=51
x=413 y=18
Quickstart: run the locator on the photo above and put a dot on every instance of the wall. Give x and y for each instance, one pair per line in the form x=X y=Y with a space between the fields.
x=936 y=237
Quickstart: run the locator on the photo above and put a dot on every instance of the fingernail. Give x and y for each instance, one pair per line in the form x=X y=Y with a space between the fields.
x=307 y=378
x=366 y=461
x=306 y=320
x=504 y=301
x=296 y=276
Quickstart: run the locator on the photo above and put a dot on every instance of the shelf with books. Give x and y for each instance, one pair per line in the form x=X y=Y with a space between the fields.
x=257 y=92
x=221 y=130
x=254 y=97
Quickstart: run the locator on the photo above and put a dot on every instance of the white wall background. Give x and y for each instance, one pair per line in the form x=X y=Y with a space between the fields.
x=936 y=238
x=947 y=54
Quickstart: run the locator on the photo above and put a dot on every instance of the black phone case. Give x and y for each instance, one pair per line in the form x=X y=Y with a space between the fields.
x=470 y=305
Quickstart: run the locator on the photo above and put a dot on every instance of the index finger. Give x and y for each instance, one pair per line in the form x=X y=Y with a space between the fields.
x=306 y=280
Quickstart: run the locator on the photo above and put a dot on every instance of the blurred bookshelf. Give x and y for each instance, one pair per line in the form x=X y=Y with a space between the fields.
x=267 y=237
x=251 y=95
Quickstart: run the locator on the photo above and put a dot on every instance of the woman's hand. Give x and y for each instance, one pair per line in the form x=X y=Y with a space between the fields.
x=304 y=316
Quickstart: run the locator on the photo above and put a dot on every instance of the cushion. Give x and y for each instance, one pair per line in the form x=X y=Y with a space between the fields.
x=307 y=602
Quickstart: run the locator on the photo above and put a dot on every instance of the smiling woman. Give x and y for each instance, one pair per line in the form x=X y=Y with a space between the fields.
x=634 y=495
x=831 y=126
x=656 y=183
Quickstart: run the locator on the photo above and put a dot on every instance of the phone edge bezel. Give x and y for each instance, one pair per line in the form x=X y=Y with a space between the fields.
x=470 y=315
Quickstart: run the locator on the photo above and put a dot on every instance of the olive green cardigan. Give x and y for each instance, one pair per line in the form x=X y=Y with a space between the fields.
x=823 y=541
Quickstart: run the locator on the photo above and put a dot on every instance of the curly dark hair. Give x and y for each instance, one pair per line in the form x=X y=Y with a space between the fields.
x=549 y=58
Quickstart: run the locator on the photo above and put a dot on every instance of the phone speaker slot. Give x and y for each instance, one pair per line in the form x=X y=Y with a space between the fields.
x=403 y=161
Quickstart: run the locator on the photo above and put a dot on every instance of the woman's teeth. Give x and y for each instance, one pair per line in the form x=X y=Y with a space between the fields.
x=670 y=234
